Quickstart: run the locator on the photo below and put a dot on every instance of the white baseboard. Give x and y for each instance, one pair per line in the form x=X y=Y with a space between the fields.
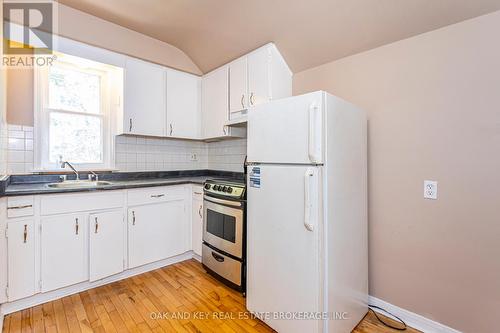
x=411 y=319
x=38 y=299
x=197 y=257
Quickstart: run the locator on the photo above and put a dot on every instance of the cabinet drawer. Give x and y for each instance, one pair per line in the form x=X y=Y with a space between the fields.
x=221 y=264
x=20 y=206
x=81 y=202
x=154 y=194
x=197 y=192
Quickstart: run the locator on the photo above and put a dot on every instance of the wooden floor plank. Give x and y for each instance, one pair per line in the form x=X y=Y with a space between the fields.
x=178 y=298
x=6 y=324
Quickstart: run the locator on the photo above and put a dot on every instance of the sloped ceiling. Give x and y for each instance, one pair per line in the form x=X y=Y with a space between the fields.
x=307 y=32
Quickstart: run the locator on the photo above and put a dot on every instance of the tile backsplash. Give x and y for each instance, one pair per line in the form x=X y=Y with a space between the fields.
x=154 y=154
x=228 y=155
x=19 y=149
x=136 y=153
x=157 y=154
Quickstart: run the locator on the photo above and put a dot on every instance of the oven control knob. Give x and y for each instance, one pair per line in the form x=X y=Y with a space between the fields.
x=229 y=190
x=224 y=189
x=216 y=187
x=207 y=186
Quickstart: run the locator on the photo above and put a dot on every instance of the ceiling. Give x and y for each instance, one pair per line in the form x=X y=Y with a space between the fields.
x=307 y=32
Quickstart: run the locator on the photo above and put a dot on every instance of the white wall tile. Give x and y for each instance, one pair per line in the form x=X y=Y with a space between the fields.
x=16 y=134
x=15 y=144
x=135 y=153
x=29 y=144
x=18 y=149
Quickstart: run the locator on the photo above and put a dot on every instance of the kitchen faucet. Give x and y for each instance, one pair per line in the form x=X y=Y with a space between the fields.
x=63 y=165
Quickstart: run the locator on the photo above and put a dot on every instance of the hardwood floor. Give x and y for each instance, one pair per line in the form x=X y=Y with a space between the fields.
x=177 y=298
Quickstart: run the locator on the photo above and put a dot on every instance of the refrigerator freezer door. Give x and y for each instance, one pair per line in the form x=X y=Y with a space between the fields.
x=283 y=267
x=287 y=131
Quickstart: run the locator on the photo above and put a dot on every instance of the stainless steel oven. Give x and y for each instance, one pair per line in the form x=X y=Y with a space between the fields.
x=223 y=225
x=224 y=229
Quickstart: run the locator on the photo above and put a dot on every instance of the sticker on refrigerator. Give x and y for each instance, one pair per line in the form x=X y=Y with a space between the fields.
x=255 y=177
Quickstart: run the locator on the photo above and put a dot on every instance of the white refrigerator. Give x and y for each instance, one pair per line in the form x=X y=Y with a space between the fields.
x=307 y=247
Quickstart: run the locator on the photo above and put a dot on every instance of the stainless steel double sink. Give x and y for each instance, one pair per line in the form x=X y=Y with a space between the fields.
x=68 y=184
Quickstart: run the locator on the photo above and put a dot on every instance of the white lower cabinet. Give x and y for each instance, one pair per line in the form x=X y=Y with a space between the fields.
x=156 y=231
x=21 y=259
x=197 y=220
x=63 y=251
x=107 y=238
x=85 y=237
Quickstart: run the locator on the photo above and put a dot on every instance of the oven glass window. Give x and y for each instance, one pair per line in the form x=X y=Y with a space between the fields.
x=222 y=226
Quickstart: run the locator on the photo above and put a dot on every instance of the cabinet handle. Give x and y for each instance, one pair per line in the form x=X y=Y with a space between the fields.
x=130 y=127
x=77 y=226
x=157 y=195
x=96 y=225
x=251 y=99
x=199 y=211
x=171 y=128
x=133 y=218
x=199 y=193
x=20 y=207
x=217 y=257
x=25 y=236
x=224 y=129
x=242 y=101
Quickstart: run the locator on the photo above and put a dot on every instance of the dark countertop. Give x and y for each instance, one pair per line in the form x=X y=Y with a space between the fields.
x=38 y=184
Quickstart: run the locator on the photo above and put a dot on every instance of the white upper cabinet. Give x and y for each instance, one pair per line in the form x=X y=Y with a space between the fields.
x=238 y=85
x=259 y=88
x=183 y=105
x=167 y=103
x=144 y=109
x=256 y=78
x=215 y=108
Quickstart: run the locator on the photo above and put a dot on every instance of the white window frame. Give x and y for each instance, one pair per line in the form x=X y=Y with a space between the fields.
x=42 y=116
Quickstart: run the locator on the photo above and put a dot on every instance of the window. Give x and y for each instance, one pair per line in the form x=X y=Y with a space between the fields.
x=73 y=117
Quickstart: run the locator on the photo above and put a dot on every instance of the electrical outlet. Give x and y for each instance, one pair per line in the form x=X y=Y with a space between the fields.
x=194 y=157
x=430 y=189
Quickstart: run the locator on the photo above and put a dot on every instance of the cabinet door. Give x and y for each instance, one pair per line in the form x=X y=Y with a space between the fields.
x=197 y=225
x=215 y=104
x=183 y=105
x=63 y=247
x=156 y=232
x=106 y=244
x=259 y=77
x=238 y=85
x=144 y=98
x=21 y=259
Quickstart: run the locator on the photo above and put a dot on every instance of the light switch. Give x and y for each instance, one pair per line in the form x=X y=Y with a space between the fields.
x=430 y=189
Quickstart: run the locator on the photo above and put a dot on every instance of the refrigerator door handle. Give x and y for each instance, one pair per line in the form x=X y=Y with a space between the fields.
x=307 y=199
x=314 y=134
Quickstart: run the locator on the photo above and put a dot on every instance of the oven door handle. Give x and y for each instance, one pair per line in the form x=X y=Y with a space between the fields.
x=223 y=202
x=217 y=257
